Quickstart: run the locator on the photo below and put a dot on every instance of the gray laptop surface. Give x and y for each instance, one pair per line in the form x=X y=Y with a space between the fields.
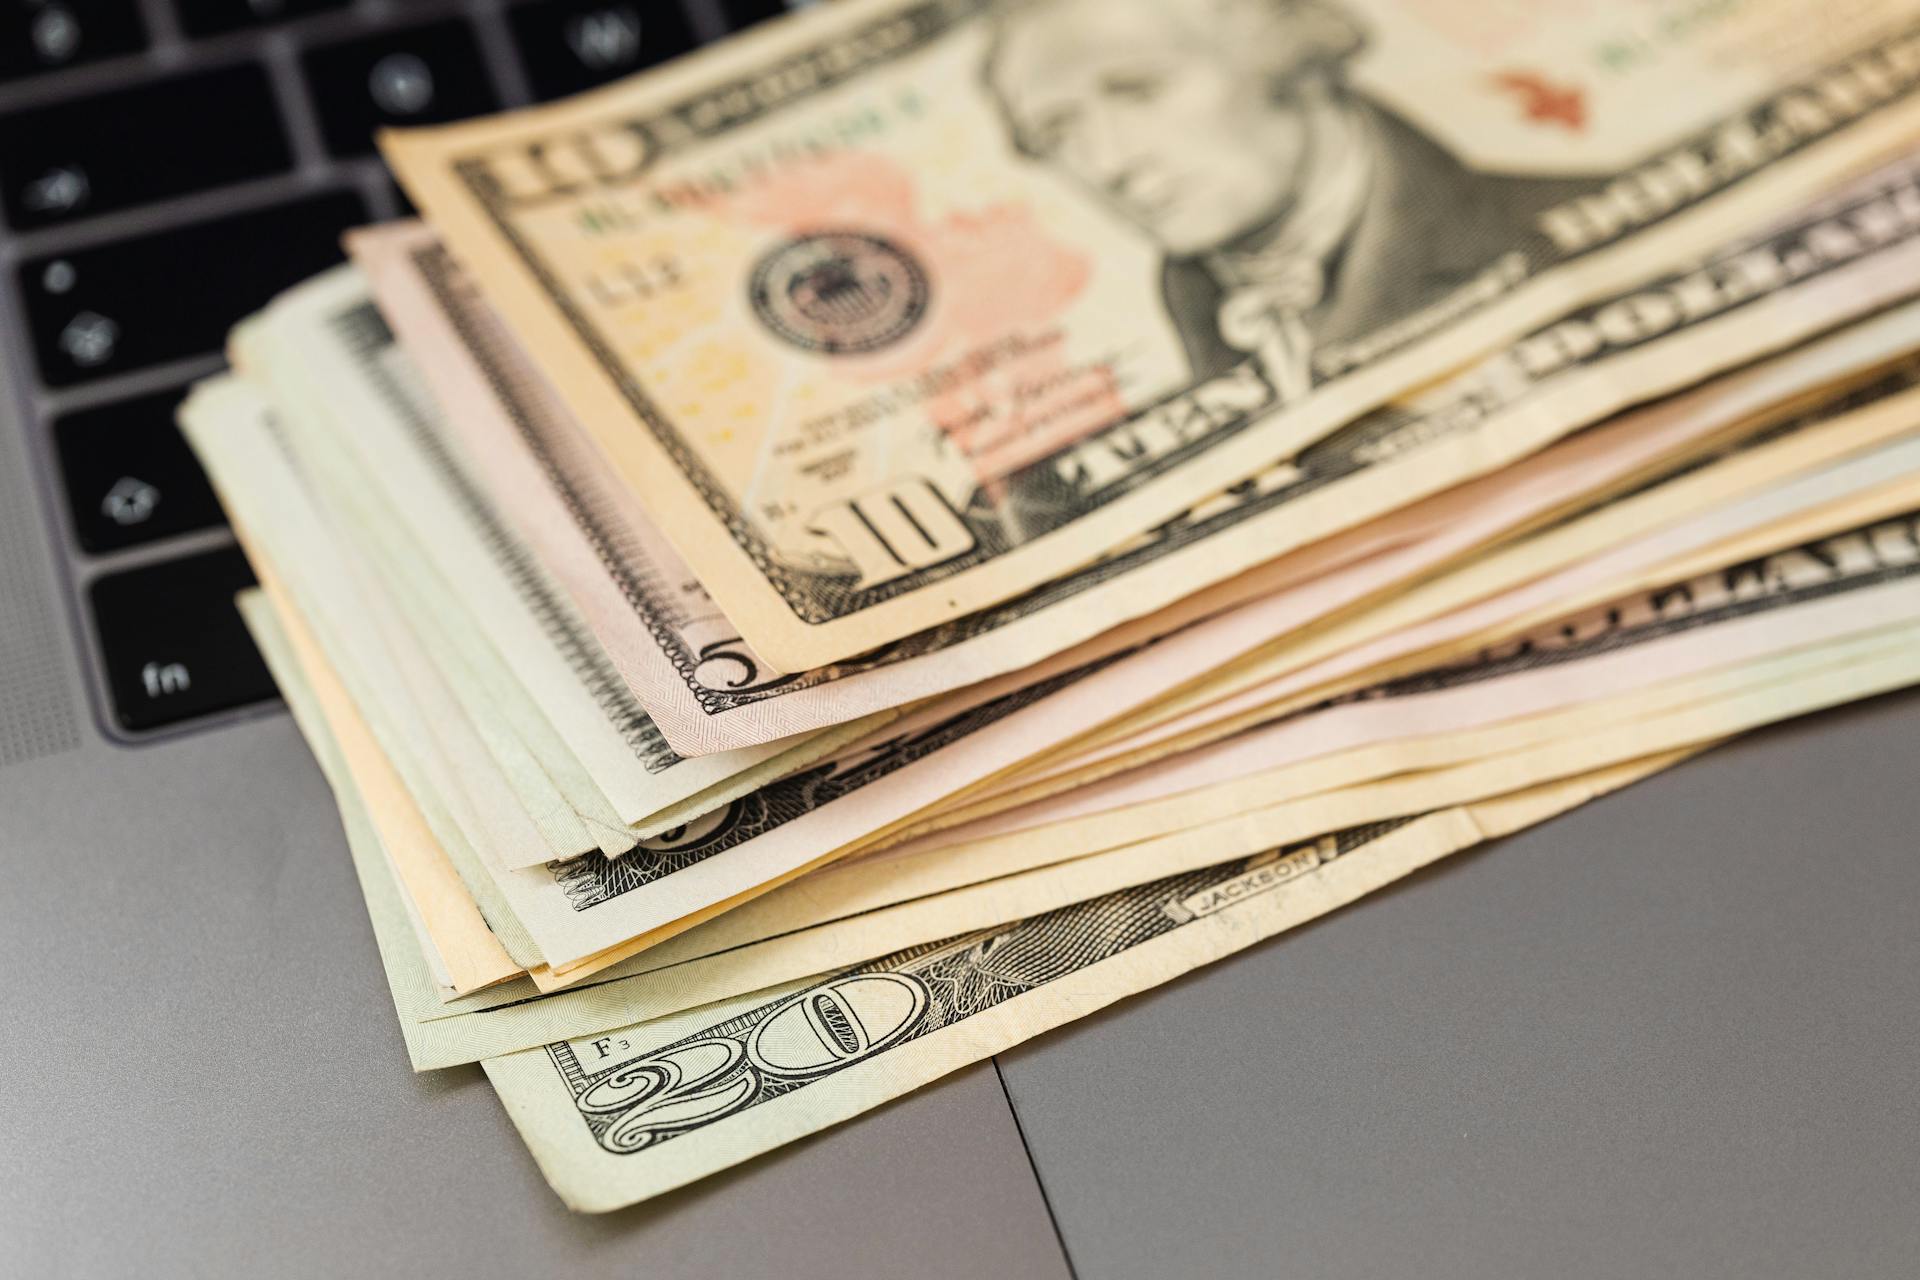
x=1672 y=1033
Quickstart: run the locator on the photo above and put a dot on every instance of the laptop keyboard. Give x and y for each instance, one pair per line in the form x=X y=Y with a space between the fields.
x=570 y=45
x=172 y=294
x=39 y=38
x=166 y=166
x=129 y=476
x=213 y=17
x=173 y=644
x=119 y=150
x=419 y=75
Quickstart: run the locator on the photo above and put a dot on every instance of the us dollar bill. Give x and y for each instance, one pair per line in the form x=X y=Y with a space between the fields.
x=592 y=881
x=375 y=451
x=1049 y=841
x=707 y=688
x=414 y=891
x=847 y=916
x=1615 y=666
x=1667 y=649
x=774 y=830
x=438 y=1030
x=579 y=909
x=1828 y=446
x=891 y=312
x=617 y=1117
x=1610 y=680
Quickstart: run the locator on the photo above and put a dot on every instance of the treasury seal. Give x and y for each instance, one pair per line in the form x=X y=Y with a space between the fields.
x=839 y=292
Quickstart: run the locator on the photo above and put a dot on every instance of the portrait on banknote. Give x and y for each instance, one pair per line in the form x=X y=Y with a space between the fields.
x=1291 y=206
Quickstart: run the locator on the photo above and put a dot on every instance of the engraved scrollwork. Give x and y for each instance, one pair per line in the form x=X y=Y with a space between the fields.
x=694 y=834
x=681 y=1088
x=729 y=665
x=836 y=1024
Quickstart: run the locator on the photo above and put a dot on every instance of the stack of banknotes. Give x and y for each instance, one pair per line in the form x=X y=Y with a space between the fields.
x=825 y=560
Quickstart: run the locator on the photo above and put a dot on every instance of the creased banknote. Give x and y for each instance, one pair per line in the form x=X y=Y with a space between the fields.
x=1447 y=737
x=1831 y=447
x=802 y=818
x=1639 y=664
x=1645 y=652
x=374 y=449
x=1079 y=783
x=619 y=1116
x=623 y=1115
x=898 y=309
x=707 y=689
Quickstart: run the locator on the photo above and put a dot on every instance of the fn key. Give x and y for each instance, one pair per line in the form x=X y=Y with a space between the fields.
x=173 y=642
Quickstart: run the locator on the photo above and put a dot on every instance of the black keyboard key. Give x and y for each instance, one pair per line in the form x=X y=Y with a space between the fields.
x=576 y=44
x=173 y=642
x=52 y=35
x=744 y=13
x=126 y=148
x=130 y=477
x=122 y=306
x=423 y=75
x=211 y=17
